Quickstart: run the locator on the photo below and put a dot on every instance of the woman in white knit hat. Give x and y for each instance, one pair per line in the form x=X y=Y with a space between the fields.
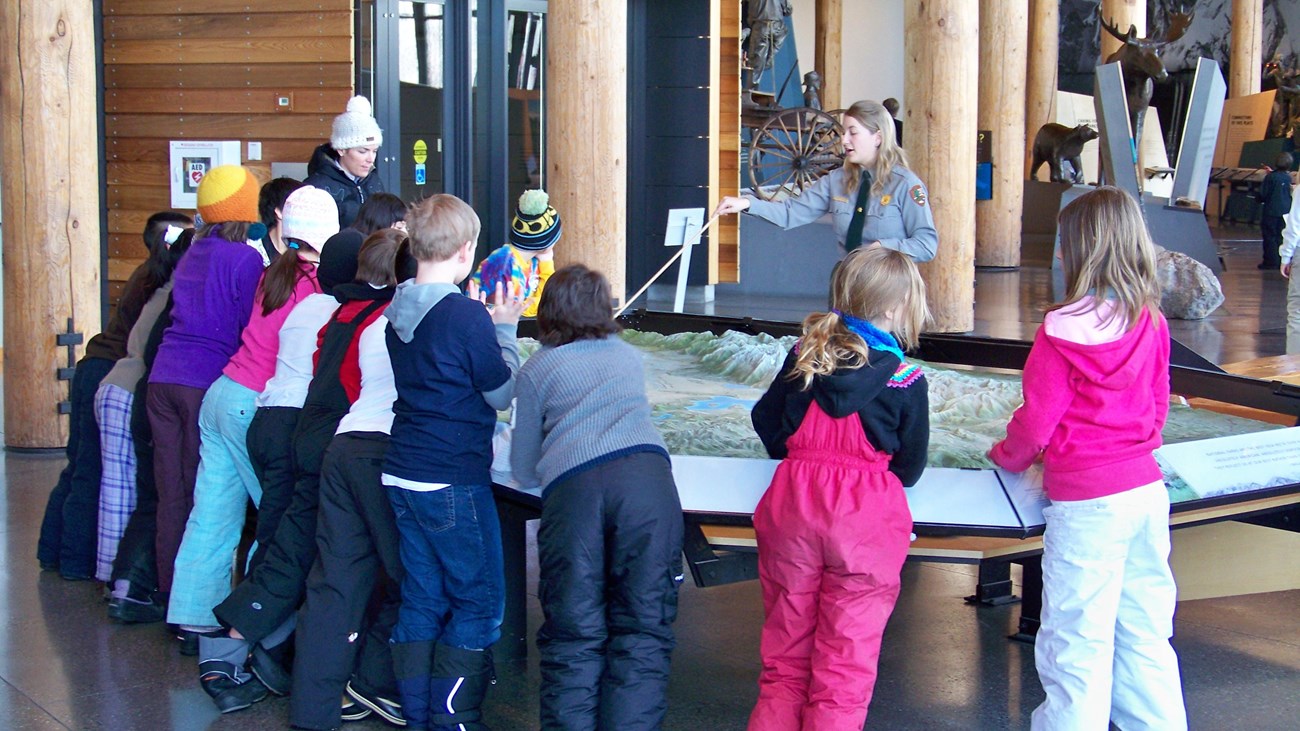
x=345 y=166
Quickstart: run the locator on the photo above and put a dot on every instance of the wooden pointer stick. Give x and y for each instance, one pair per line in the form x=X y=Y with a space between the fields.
x=694 y=238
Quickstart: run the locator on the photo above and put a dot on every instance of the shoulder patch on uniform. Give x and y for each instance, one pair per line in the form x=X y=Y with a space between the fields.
x=906 y=375
x=918 y=195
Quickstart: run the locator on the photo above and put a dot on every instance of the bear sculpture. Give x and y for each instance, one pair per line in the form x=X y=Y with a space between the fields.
x=1056 y=144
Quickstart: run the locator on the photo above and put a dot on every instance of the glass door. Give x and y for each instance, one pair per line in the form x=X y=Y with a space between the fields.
x=526 y=80
x=422 y=92
x=508 y=79
x=458 y=88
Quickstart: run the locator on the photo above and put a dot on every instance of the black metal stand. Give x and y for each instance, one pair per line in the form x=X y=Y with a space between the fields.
x=994 y=586
x=1031 y=607
x=713 y=568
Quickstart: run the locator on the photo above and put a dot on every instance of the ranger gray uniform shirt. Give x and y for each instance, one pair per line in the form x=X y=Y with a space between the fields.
x=899 y=218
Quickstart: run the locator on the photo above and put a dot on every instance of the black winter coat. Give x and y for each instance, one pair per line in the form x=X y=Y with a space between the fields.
x=892 y=402
x=323 y=172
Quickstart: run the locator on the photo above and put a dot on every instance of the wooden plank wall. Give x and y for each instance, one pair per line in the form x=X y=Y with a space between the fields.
x=725 y=134
x=212 y=70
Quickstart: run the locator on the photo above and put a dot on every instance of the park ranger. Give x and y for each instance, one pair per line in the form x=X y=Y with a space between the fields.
x=873 y=199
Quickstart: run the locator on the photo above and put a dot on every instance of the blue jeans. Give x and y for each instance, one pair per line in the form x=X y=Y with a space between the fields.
x=450 y=544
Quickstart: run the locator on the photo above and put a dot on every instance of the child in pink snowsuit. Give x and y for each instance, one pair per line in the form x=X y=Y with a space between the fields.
x=849 y=418
x=1096 y=388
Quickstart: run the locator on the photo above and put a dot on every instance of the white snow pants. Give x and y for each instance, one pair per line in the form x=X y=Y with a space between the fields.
x=1103 y=649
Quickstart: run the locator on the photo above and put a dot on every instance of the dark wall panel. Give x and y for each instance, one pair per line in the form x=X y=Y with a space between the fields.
x=668 y=128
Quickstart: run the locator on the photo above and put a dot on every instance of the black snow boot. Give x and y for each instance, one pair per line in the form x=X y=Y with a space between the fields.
x=460 y=681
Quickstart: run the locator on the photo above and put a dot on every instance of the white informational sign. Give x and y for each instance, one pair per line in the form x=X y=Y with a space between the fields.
x=1245 y=119
x=1230 y=465
x=191 y=160
x=988 y=501
x=944 y=497
x=683 y=229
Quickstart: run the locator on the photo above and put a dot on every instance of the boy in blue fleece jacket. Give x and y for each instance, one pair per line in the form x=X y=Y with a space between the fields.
x=453 y=366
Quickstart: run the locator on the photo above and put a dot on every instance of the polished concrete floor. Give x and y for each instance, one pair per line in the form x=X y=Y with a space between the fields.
x=945 y=665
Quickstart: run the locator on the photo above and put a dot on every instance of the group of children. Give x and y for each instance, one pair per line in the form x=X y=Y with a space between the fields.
x=350 y=392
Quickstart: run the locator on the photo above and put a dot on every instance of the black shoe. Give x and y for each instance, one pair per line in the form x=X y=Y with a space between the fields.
x=389 y=710
x=48 y=565
x=189 y=642
x=69 y=576
x=130 y=612
x=218 y=680
x=353 y=711
x=269 y=671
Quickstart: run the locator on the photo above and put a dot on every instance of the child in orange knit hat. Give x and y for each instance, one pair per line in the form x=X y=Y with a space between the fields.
x=212 y=299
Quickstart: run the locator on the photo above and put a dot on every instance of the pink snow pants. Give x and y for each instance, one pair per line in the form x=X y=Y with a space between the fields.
x=833 y=531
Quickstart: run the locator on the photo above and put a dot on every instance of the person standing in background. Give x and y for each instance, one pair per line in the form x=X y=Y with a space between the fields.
x=891 y=106
x=874 y=199
x=1275 y=195
x=345 y=166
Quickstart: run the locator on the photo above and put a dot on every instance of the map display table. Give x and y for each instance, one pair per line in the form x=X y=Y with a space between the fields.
x=982 y=516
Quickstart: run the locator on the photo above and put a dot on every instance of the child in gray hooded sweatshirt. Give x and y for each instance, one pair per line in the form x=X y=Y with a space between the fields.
x=453 y=366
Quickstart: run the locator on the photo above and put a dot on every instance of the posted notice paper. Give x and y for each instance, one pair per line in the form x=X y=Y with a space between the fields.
x=1235 y=464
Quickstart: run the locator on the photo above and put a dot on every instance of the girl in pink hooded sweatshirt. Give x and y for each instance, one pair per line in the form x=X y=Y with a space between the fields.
x=1096 y=388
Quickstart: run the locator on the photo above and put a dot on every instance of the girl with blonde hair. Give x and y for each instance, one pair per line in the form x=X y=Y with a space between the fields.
x=1096 y=389
x=874 y=199
x=849 y=418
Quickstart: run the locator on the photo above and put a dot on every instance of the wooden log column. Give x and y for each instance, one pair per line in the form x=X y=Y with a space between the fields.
x=828 y=56
x=587 y=158
x=48 y=130
x=941 y=40
x=1041 y=76
x=1004 y=36
x=1122 y=13
x=1245 y=65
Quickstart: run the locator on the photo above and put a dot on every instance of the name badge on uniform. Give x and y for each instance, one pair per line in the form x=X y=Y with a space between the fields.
x=840 y=199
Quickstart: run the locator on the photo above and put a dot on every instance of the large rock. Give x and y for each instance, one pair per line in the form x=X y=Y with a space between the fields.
x=1188 y=289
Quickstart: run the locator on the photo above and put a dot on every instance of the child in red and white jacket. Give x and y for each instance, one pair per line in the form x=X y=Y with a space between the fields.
x=1096 y=388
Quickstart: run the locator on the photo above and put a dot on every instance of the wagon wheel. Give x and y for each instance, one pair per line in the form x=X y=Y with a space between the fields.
x=792 y=150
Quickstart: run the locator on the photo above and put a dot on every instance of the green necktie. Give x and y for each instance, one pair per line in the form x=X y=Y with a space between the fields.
x=853 y=239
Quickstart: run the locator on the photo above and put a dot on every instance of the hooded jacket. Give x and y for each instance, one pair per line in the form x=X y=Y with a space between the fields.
x=323 y=172
x=889 y=396
x=453 y=370
x=1096 y=399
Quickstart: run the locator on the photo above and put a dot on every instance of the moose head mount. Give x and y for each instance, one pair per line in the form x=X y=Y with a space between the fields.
x=1139 y=58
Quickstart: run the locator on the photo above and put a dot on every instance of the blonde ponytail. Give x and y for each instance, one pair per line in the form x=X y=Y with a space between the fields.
x=868 y=284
